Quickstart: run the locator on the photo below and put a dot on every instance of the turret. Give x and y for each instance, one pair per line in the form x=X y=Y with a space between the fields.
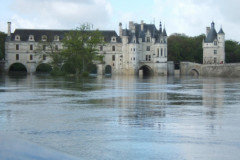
x=221 y=37
x=160 y=28
x=125 y=36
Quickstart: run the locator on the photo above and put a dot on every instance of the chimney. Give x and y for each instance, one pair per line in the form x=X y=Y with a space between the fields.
x=131 y=25
x=207 y=30
x=9 y=28
x=142 y=25
x=120 y=29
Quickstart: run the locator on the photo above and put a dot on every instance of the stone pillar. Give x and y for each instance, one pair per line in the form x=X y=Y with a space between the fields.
x=140 y=73
x=170 y=68
x=100 y=69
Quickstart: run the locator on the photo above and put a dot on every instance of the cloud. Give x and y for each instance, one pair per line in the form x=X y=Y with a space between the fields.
x=61 y=13
x=191 y=17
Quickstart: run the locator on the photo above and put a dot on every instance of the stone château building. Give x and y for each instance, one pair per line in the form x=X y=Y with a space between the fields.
x=140 y=49
x=214 y=46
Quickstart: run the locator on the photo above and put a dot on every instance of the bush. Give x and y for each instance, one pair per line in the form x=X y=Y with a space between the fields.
x=57 y=72
x=85 y=74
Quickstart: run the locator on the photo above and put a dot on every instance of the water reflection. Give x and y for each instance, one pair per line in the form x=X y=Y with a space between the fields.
x=98 y=118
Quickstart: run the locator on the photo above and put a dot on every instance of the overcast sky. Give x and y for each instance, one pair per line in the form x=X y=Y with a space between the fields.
x=186 y=16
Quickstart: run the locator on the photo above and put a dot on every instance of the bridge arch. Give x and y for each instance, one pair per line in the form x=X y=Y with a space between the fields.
x=17 y=68
x=194 y=72
x=108 y=69
x=146 y=70
x=43 y=68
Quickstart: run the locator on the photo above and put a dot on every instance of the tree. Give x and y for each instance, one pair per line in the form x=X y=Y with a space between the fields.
x=2 y=45
x=184 y=48
x=47 y=47
x=80 y=48
x=232 y=51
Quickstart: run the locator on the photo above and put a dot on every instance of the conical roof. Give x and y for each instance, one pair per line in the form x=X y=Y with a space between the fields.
x=212 y=35
x=221 y=31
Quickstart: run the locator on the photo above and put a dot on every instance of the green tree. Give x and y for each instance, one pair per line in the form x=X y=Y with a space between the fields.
x=80 y=48
x=47 y=47
x=184 y=48
x=232 y=51
x=2 y=45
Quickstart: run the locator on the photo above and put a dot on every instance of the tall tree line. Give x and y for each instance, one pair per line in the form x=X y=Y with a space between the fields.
x=2 y=45
x=185 y=48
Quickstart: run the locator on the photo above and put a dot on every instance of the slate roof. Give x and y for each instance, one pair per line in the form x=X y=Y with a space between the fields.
x=221 y=31
x=38 y=33
x=212 y=35
x=157 y=34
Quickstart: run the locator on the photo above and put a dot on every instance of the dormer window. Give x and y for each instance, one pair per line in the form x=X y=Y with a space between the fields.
x=148 y=39
x=113 y=39
x=215 y=43
x=56 y=38
x=17 y=38
x=31 y=38
x=44 y=38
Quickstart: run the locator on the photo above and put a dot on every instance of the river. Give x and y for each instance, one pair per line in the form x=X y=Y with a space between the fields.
x=125 y=117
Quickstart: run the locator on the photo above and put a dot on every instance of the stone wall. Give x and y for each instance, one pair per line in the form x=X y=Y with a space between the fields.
x=210 y=70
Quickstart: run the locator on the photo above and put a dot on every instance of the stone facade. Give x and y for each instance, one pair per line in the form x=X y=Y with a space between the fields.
x=140 y=49
x=214 y=46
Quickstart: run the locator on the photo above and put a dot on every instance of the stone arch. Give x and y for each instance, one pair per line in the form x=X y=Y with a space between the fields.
x=108 y=69
x=43 y=68
x=146 y=70
x=17 y=68
x=194 y=72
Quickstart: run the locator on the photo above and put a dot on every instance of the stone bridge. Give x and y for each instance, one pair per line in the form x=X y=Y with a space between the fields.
x=214 y=70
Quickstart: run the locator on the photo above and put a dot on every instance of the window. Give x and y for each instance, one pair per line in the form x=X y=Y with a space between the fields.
x=113 y=57
x=113 y=48
x=158 y=52
x=134 y=58
x=56 y=47
x=161 y=52
x=56 y=38
x=44 y=47
x=215 y=60
x=215 y=51
x=17 y=46
x=165 y=52
x=17 y=38
x=133 y=49
x=148 y=48
x=148 y=57
x=44 y=57
x=17 y=56
x=215 y=43
x=31 y=47
x=148 y=39
x=134 y=41
x=113 y=39
x=31 y=57
x=101 y=48
x=44 y=38
x=31 y=38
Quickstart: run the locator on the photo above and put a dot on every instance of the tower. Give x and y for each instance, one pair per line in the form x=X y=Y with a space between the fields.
x=214 y=46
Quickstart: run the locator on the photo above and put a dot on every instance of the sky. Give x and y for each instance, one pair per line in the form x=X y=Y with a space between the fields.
x=190 y=17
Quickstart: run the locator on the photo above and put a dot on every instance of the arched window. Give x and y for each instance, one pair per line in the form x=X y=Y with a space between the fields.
x=44 y=38
x=31 y=38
